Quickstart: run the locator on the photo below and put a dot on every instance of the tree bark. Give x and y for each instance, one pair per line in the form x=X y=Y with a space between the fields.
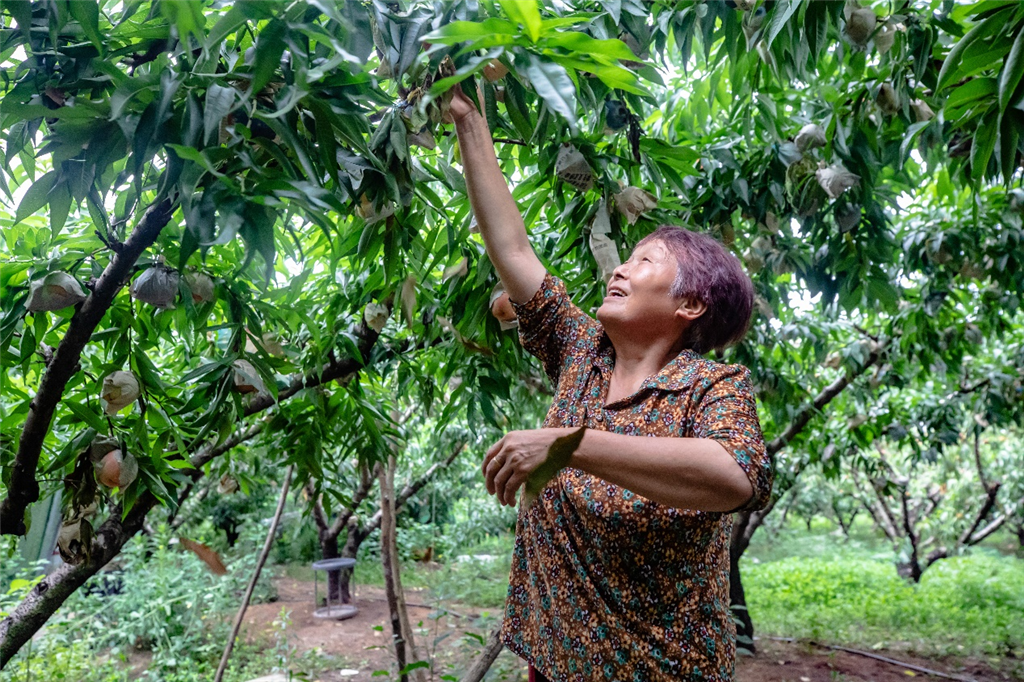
x=47 y=596
x=255 y=575
x=22 y=489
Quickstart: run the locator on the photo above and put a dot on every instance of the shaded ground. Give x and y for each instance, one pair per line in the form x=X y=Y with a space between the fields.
x=361 y=644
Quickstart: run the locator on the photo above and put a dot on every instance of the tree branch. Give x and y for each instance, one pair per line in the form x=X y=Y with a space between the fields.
x=47 y=596
x=413 y=487
x=486 y=658
x=23 y=489
x=365 y=486
x=804 y=416
x=991 y=493
x=748 y=522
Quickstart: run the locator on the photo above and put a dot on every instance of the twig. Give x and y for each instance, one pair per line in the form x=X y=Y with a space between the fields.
x=255 y=575
x=486 y=658
x=877 y=657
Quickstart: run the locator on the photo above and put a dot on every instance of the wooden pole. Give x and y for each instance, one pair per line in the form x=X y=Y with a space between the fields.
x=255 y=575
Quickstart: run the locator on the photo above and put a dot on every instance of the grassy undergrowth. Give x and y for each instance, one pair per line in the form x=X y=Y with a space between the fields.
x=819 y=585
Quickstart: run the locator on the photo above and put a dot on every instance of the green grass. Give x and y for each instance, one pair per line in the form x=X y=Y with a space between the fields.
x=819 y=586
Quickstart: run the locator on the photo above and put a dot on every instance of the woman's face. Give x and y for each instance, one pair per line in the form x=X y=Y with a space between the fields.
x=639 y=298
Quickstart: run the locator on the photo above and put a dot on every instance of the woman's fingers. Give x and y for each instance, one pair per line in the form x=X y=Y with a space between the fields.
x=491 y=452
x=512 y=488
x=493 y=463
x=501 y=480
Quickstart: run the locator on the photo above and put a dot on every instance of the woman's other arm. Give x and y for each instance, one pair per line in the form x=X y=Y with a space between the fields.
x=501 y=224
x=685 y=473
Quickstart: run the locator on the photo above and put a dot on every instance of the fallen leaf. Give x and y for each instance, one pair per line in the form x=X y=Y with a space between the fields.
x=206 y=555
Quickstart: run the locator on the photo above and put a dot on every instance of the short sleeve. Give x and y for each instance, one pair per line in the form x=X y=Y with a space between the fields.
x=548 y=323
x=727 y=413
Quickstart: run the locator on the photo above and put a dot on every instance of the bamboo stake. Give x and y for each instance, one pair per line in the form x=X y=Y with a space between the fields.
x=255 y=575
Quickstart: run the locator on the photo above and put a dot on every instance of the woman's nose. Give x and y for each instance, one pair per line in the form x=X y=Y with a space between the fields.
x=620 y=271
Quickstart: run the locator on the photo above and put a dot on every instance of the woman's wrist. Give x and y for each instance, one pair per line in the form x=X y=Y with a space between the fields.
x=473 y=126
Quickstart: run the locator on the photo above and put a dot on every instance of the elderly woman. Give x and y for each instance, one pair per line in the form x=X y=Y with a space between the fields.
x=621 y=567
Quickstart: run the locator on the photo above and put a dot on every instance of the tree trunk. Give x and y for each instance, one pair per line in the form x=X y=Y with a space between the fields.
x=737 y=597
x=329 y=550
x=356 y=535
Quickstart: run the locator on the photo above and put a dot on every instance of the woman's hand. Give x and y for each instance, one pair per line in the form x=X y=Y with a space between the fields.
x=510 y=462
x=461 y=107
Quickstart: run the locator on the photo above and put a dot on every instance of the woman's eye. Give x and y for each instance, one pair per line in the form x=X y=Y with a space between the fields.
x=647 y=260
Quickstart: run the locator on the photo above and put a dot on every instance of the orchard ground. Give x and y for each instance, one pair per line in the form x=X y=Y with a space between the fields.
x=809 y=588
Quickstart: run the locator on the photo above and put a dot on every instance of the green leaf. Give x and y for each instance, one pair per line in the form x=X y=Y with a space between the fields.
x=60 y=206
x=908 y=138
x=1009 y=137
x=219 y=101
x=86 y=415
x=526 y=13
x=781 y=15
x=1012 y=72
x=21 y=11
x=462 y=31
x=816 y=27
x=515 y=107
x=187 y=15
x=984 y=144
x=225 y=26
x=36 y=197
x=559 y=454
x=951 y=65
x=552 y=83
x=584 y=44
x=269 y=48
x=87 y=14
x=974 y=89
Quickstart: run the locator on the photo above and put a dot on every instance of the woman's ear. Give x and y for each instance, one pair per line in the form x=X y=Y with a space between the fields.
x=690 y=309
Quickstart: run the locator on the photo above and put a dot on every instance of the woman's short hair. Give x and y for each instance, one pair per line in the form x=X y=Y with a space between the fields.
x=709 y=273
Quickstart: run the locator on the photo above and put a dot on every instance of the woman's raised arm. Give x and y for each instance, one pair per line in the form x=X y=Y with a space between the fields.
x=501 y=224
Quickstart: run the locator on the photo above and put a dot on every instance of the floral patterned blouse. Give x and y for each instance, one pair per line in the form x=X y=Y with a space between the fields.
x=606 y=584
